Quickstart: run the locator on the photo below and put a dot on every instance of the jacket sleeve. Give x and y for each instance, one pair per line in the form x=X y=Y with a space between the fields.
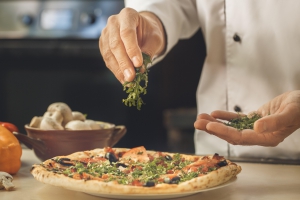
x=179 y=17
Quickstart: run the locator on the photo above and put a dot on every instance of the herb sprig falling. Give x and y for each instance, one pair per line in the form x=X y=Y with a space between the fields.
x=134 y=88
x=243 y=122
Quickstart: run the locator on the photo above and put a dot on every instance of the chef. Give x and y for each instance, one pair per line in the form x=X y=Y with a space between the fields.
x=253 y=56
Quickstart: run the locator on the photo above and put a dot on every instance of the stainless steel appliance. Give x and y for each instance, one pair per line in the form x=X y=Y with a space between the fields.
x=55 y=19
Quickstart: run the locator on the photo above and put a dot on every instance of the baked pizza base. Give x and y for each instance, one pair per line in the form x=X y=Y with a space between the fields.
x=212 y=179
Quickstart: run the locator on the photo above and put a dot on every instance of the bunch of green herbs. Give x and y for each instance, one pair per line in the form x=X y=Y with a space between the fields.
x=134 y=89
x=243 y=122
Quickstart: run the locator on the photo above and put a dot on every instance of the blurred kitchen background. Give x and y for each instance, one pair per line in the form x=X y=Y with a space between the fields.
x=49 y=53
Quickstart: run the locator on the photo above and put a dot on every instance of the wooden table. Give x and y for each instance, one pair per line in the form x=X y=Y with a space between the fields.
x=256 y=181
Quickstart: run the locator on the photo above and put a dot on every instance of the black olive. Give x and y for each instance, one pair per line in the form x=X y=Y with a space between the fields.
x=168 y=157
x=111 y=157
x=121 y=164
x=149 y=184
x=222 y=163
x=175 y=180
x=65 y=162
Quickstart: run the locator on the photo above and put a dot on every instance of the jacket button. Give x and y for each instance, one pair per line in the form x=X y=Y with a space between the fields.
x=237 y=109
x=237 y=38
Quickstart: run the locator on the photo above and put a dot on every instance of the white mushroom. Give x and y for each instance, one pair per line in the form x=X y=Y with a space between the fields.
x=64 y=109
x=56 y=116
x=35 y=122
x=78 y=116
x=77 y=125
x=49 y=123
x=93 y=124
x=59 y=116
x=6 y=181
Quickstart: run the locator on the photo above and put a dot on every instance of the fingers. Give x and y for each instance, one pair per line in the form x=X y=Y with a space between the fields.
x=120 y=56
x=117 y=48
x=124 y=38
x=211 y=125
x=202 y=121
x=153 y=29
x=244 y=137
x=129 y=35
x=225 y=115
x=109 y=59
x=229 y=134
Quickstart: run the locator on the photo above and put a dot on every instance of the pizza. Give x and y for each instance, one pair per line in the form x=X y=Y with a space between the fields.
x=135 y=171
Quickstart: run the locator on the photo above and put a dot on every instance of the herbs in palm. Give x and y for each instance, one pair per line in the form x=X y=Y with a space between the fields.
x=138 y=86
x=243 y=122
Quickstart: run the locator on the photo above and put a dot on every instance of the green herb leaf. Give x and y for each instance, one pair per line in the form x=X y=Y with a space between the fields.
x=134 y=88
x=243 y=122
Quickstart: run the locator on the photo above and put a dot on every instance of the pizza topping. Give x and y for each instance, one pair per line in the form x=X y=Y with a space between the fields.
x=92 y=159
x=121 y=165
x=137 y=154
x=136 y=167
x=173 y=180
x=65 y=161
x=222 y=163
x=168 y=157
x=149 y=184
x=111 y=157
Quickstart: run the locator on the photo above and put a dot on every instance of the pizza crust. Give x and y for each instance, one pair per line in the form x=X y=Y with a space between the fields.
x=212 y=179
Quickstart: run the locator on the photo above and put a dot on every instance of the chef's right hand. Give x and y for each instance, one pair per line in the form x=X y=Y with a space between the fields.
x=126 y=36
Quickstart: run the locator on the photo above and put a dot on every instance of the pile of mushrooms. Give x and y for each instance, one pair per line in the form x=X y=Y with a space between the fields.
x=59 y=116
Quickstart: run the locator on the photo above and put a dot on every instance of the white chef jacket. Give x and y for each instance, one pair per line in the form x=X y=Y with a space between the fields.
x=253 y=55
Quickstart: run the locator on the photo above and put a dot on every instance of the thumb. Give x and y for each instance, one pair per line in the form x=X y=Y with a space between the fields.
x=152 y=35
x=272 y=122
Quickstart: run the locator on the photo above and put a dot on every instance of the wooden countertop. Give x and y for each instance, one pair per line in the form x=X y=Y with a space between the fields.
x=256 y=181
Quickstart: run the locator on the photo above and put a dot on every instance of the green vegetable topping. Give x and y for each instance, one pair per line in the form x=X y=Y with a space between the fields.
x=148 y=174
x=134 y=88
x=243 y=122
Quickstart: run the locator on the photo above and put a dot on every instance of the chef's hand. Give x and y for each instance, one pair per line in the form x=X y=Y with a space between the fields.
x=125 y=37
x=281 y=117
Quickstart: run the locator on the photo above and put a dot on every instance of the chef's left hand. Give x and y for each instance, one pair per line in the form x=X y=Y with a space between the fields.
x=280 y=118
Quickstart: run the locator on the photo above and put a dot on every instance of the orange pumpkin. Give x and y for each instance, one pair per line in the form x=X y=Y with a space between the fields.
x=10 y=152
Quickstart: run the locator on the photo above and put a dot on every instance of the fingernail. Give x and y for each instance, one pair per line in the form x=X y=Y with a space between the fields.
x=127 y=74
x=136 y=61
